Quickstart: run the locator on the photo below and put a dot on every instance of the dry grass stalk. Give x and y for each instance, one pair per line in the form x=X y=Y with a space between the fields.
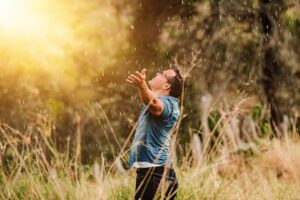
x=206 y=101
x=196 y=149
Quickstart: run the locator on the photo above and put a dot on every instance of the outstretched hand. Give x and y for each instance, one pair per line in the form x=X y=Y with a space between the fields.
x=137 y=79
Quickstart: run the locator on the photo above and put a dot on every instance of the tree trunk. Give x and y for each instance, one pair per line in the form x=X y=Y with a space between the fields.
x=270 y=65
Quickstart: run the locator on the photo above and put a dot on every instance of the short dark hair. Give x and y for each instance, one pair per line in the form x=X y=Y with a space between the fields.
x=176 y=83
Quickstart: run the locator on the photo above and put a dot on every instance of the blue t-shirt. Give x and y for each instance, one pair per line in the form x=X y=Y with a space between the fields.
x=153 y=134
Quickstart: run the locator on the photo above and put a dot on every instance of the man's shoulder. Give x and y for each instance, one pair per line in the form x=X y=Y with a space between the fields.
x=170 y=98
x=169 y=101
x=170 y=107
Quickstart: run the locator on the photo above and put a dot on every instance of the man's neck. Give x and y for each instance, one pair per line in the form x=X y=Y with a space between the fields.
x=160 y=92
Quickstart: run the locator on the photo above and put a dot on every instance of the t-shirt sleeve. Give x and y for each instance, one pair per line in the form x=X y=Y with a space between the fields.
x=167 y=108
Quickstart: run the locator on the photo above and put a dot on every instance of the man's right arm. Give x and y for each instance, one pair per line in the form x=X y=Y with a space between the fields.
x=147 y=96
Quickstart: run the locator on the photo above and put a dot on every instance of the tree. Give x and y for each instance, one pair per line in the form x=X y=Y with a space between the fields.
x=270 y=63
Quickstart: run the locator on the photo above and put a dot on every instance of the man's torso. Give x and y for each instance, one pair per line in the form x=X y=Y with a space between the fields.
x=150 y=147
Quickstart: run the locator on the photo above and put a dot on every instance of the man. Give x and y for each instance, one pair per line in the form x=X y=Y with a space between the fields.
x=150 y=148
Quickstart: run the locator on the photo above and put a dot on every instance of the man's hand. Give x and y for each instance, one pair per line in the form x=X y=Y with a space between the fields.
x=138 y=79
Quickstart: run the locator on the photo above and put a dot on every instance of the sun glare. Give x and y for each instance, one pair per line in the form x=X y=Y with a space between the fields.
x=13 y=14
x=54 y=35
x=31 y=31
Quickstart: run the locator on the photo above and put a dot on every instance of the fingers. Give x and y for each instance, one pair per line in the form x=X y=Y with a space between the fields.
x=139 y=74
x=142 y=74
x=137 y=78
x=132 y=82
x=129 y=81
x=132 y=79
x=144 y=71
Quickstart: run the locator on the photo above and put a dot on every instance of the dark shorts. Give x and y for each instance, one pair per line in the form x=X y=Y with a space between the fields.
x=156 y=182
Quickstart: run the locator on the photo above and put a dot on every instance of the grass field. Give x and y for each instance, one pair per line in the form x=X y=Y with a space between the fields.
x=258 y=168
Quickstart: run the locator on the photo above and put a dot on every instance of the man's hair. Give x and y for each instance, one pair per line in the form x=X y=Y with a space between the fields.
x=176 y=83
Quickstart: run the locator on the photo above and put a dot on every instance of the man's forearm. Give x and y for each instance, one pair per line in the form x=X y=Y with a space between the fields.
x=147 y=95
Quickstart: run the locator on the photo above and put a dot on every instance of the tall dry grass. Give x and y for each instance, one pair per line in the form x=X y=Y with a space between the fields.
x=238 y=160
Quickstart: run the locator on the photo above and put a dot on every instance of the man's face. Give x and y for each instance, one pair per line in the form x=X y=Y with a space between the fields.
x=161 y=80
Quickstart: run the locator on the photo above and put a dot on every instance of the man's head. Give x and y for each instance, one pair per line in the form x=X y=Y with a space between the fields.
x=167 y=82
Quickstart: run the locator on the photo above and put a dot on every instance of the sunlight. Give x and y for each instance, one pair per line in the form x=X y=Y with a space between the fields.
x=14 y=14
x=32 y=35
x=57 y=37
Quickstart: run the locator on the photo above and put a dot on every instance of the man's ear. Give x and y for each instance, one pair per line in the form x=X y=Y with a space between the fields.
x=167 y=86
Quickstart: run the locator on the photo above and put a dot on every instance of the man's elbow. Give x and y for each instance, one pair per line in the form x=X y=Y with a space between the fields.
x=156 y=108
x=156 y=113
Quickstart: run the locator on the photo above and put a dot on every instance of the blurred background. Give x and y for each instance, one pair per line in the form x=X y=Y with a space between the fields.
x=63 y=65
